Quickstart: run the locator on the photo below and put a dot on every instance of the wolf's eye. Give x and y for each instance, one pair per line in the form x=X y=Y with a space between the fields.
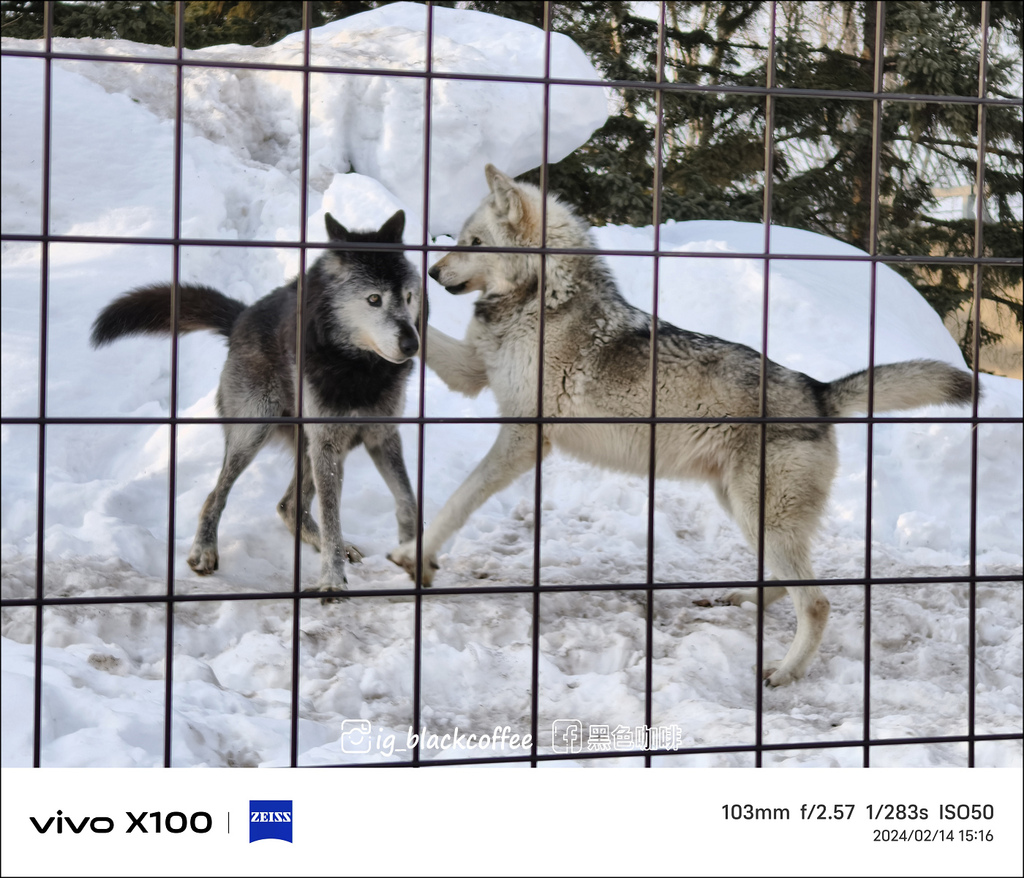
x=476 y=242
x=408 y=298
x=374 y=300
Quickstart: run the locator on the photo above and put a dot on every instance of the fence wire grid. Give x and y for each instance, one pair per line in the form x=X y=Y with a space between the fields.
x=649 y=753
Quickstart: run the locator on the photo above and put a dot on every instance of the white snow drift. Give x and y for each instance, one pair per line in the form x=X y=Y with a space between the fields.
x=106 y=487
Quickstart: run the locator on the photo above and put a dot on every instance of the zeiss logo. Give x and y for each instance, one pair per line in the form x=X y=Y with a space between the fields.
x=270 y=818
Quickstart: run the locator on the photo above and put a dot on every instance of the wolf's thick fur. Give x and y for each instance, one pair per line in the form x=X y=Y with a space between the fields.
x=361 y=311
x=597 y=364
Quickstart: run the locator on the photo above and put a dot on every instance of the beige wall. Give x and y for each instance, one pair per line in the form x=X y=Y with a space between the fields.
x=1005 y=358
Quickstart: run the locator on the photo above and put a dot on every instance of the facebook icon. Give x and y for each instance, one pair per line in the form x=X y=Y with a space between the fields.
x=270 y=818
x=567 y=736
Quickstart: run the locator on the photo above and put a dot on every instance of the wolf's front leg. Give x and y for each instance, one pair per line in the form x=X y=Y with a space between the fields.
x=327 y=475
x=513 y=453
x=384 y=446
x=457 y=363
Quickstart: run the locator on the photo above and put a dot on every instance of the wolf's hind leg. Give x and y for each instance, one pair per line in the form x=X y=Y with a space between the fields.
x=795 y=492
x=242 y=442
x=788 y=555
x=310 y=532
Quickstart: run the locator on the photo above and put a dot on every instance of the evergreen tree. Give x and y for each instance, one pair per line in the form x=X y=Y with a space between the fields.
x=144 y=22
x=713 y=140
x=824 y=182
x=207 y=22
x=712 y=136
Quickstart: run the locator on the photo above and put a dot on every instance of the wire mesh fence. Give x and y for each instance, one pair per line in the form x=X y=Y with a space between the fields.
x=647 y=741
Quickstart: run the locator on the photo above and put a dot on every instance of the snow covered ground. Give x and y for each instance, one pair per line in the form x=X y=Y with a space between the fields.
x=106 y=487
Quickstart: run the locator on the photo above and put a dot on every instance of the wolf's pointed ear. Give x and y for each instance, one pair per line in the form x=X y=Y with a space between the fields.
x=507 y=197
x=335 y=230
x=391 y=231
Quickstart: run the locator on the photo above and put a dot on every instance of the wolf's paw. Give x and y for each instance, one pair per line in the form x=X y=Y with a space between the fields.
x=405 y=557
x=331 y=595
x=203 y=559
x=353 y=554
x=330 y=588
x=738 y=598
x=773 y=678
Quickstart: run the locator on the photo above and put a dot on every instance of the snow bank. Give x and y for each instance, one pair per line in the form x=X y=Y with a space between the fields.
x=106 y=510
x=368 y=123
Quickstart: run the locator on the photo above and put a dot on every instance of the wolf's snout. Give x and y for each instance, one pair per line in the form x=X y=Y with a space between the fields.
x=409 y=342
x=434 y=271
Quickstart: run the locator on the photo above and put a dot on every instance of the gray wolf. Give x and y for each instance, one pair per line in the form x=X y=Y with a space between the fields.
x=598 y=364
x=361 y=309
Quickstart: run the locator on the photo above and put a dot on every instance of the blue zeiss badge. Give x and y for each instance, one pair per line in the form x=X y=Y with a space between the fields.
x=270 y=818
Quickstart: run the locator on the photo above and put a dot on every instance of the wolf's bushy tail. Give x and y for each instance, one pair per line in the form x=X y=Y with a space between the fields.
x=907 y=385
x=147 y=311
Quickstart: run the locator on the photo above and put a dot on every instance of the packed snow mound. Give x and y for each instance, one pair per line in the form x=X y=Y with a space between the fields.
x=821 y=304
x=374 y=123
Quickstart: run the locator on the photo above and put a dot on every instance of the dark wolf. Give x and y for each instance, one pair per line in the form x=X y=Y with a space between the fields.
x=361 y=309
x=597 y=364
